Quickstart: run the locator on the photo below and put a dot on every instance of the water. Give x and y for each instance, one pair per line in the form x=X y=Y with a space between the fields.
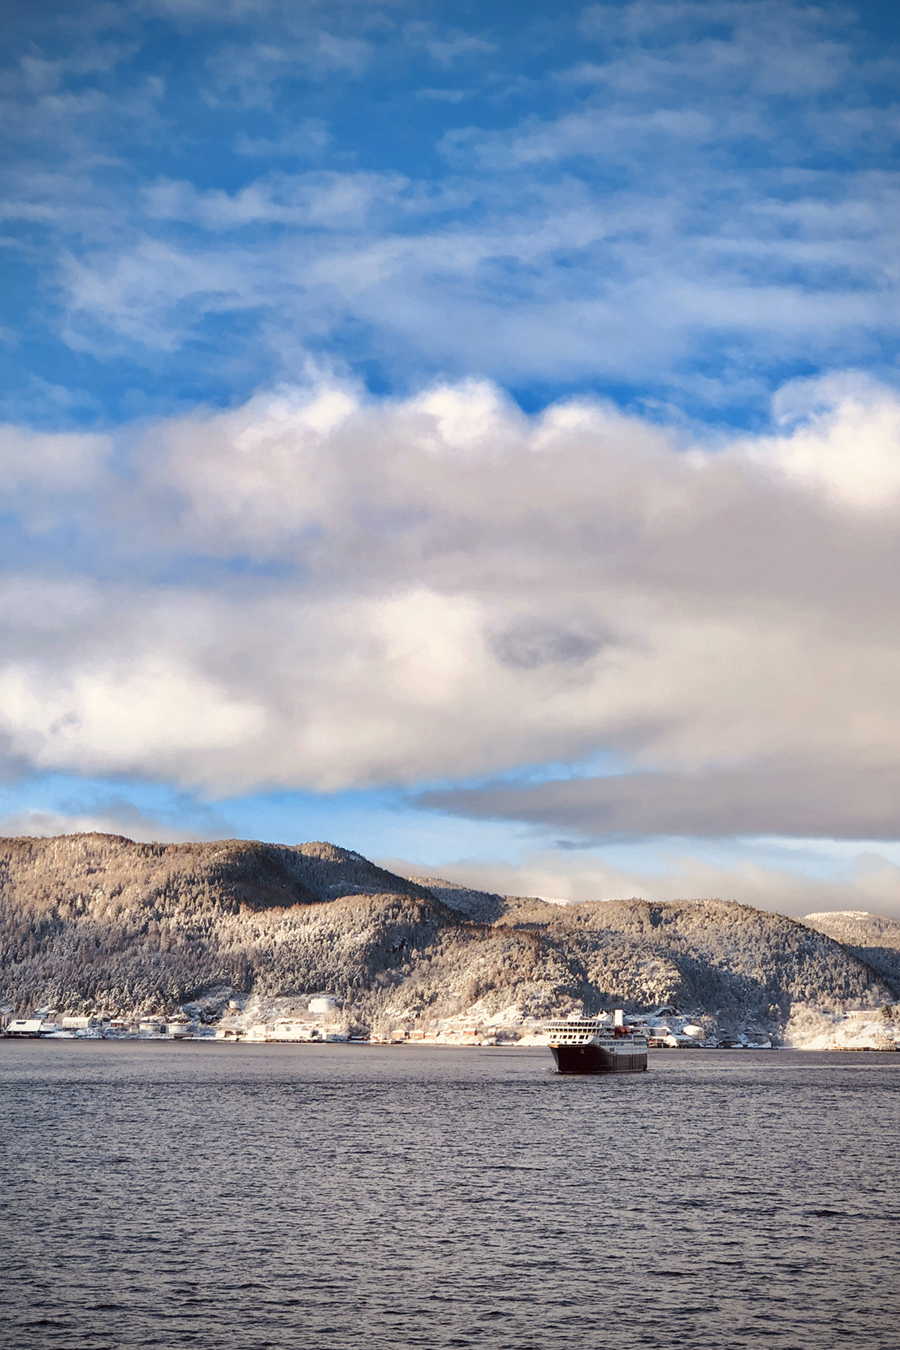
x=354 y=1198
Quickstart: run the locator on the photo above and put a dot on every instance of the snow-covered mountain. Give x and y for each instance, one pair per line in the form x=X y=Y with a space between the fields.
x=874 y=938
x=98 y=923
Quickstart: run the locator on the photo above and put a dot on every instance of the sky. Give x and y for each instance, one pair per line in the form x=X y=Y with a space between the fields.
x=469 y=433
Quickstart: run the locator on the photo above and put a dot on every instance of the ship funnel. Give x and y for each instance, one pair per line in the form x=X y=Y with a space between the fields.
x=619 y=1017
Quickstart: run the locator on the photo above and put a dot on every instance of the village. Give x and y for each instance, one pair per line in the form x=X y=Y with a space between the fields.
x=323 y=1019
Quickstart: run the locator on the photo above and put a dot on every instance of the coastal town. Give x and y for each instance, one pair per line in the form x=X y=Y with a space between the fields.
x=323 y=1020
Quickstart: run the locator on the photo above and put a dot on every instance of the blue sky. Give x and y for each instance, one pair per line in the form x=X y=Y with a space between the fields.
x=467 y=432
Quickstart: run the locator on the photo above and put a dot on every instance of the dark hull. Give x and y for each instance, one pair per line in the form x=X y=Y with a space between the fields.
x=594 y=1059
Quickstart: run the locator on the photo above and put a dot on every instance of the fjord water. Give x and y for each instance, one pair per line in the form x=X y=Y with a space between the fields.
x=343 y=1197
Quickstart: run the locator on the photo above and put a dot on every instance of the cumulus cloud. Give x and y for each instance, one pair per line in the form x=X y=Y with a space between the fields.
x=49 y=463
x=846 y=445
x=324 y=590
x=317 y=588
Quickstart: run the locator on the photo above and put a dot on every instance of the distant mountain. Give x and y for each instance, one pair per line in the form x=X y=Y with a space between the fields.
x=874 y=938
x=728 y=959
x=98 y=923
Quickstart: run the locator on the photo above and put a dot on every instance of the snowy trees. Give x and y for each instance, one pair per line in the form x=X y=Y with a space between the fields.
x=94 y=923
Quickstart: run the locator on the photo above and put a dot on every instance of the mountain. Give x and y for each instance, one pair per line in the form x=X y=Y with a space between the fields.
x=874 y=938
x=98 y=923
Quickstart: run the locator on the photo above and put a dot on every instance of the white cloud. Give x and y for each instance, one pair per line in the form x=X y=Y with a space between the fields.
x=440 y=587
x=109 y=818
x=305 y=139
x=873 y=885
x=560 y=284
x=848 y=448
x=49 y=461
x=668 y=206
x=139 y=297
x=324 y=589
x=318 y=200
x=444 y=95
x=250 y=74
x=448 y=52
x=150 y=710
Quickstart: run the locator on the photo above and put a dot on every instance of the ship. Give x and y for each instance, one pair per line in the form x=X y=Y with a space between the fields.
x=601 y=1044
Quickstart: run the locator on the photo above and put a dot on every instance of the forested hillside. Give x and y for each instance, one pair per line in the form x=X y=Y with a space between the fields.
x=97 y=923
x=874 y=938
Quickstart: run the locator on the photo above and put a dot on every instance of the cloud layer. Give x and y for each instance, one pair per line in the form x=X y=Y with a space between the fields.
x=872 y=884
x=803 y=796
x=322 y=590
x=492 y=406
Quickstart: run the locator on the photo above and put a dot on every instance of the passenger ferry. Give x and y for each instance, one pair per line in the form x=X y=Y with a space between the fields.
x=602 y=1044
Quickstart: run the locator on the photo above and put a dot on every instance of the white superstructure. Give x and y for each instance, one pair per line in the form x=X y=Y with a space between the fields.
x=601 y=1044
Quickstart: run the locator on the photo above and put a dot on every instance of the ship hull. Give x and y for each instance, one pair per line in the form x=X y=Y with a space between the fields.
x=596 y=1059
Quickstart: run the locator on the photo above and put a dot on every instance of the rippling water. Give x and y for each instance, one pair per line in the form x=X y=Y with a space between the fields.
x=346 y=1198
